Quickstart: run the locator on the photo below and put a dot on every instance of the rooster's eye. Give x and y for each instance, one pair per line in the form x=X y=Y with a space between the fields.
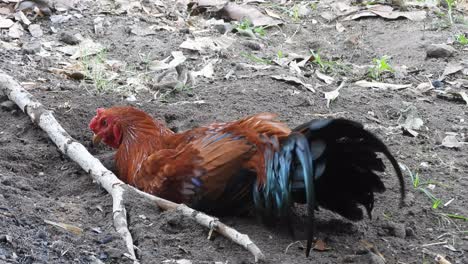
x=104 y=122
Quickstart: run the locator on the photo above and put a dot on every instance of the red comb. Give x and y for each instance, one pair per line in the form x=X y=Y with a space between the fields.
x=100 y=110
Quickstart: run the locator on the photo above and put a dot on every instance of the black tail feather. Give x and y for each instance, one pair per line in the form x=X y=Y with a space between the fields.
x=348 y=154
x=331 y=163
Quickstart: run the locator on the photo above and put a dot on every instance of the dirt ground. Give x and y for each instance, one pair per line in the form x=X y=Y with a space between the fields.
x=38 y=183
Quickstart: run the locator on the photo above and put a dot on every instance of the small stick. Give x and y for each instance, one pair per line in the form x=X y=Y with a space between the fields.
x=114 y=186
x=434 y=244
x=293 y=243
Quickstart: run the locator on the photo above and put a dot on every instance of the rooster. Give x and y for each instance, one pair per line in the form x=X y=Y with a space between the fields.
x=255 y=162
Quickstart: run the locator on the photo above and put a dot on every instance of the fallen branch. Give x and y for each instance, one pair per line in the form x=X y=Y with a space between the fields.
x=207 y=221
x=115 y=187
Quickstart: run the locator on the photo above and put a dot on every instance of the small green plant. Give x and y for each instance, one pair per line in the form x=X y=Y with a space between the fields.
x=95 y=70
x=456 y=216
x=294 y=13
x=461 y=39
x=326 y=66
x=180 y=88
x=418 y=185
x=246 y=26
x=280 y=54
x=260 y=31
x=450 y=5
x=323 y=64
x=255 y=58
x=379 y=67
x=414 y=179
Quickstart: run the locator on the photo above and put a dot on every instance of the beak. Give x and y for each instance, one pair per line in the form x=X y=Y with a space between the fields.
x=96 y=139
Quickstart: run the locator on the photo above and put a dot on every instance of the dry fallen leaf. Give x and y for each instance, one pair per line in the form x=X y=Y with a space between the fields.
x=451 y=68
x=142 y=31
x=331 y=96
x=373 y=249
x=177 y=261
x=71 y=228
x=207 y=71
x=380 y=85
x=41 y=8
x=387 y=12
x=272 y=14
x=257 y=67
x=327 y=79
x=441 y=260
x=451 y=141
x=339 y=27
x=16 y=31
x=207 y=5
x=72 y=74
x=35 y=30
x=203 y=43
x=86 y=47
x=464 y=96
x=320 y=245
x=6 y=23
x=412 y=122
x=295 y=80
x=241 y=12
x=178 y=58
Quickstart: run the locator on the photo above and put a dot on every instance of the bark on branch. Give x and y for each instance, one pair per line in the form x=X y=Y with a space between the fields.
x=115 y=187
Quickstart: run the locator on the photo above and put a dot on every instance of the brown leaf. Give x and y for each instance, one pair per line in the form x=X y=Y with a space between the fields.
x=320 y=245
x=257 y=18
x=71 y=228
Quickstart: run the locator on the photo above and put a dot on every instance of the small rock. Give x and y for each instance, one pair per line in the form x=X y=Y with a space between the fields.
x=6 y=239
x=99 y=26
x=440 y=51
x=131 y=98
x=410 y=232
x=106 y=240
x=369 y=258
x=68 y=38
x=35 y=30
x=103 y=256
x=6 y=23
x=42 y=7
x=184 y=30
x=57 y=19
x=437 y=84
x=42 y=235
x=316 y=44
x=114 y=253
x=410 y=198
x=304 y=11
x=396 y=229
x=252 y=45
x=32 y=47
x=223 y=28
x=401 y=71
x=8 y=105
x=16 y=31
x=96 y=230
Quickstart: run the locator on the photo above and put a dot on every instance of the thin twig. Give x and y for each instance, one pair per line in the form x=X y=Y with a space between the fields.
x=115 y=187
x=434 y=244
x=293 y=243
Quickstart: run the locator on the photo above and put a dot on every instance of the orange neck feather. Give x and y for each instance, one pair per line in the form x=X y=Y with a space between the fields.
x=141 y=136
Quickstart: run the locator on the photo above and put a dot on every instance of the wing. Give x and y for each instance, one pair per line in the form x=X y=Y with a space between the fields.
x=198 y=171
